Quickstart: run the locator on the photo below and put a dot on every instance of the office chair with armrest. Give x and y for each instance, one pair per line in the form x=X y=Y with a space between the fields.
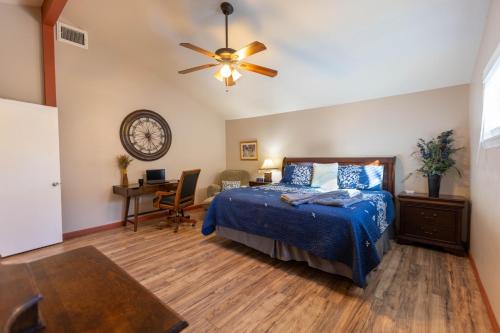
x=182 y=198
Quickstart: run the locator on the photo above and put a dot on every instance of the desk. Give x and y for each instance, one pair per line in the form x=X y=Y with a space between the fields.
x=84 y=291
x=136 y=191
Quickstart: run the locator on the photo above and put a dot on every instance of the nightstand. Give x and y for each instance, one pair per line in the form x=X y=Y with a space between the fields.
x=442 y=221
x=254 y=183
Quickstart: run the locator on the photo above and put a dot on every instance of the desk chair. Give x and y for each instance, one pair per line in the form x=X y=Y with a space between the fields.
x=182 y=198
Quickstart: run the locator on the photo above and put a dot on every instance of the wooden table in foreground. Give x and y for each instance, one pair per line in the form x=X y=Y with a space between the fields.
x=84 y=291
x=136 y=191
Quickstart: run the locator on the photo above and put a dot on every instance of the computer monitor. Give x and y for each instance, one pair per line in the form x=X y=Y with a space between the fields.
x=155 y=176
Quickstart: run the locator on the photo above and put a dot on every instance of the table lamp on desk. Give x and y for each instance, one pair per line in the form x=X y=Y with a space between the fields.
x=268 y=166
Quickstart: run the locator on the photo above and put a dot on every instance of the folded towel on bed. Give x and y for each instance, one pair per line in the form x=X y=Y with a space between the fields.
x=339 y=198
x=336 y=202
x=297 y=198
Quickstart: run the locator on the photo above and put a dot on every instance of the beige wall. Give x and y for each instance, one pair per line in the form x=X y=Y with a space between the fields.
x=97 y=88
x=21 y=53
x=382 y=127
x=485 y=175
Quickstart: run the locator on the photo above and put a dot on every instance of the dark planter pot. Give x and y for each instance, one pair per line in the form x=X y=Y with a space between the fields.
x=434 y=185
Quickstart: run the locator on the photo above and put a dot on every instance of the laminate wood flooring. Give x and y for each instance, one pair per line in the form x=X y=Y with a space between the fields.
x=222 y=286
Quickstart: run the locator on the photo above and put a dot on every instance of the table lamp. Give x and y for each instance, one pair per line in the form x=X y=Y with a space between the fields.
x=268 y=166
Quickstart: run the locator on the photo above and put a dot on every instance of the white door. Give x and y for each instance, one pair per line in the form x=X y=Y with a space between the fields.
x=30 y=193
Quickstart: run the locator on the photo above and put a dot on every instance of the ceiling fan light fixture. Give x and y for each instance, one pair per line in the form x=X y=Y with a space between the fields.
x=236 y=75
x=226 y=71
x=218 y=76
x=228 y=58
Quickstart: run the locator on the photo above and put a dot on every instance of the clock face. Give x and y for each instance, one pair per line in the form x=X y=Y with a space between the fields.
x=145 y=135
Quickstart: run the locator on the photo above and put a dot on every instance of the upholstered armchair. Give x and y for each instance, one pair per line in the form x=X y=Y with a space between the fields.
x=242 y=175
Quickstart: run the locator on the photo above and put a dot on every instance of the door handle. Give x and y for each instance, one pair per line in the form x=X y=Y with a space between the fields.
x=54 y=184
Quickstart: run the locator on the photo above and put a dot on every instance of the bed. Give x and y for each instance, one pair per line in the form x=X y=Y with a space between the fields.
x=347 y=241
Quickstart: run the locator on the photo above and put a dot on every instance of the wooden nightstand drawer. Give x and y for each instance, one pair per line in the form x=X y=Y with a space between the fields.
x=429 y=223
x=433 y=215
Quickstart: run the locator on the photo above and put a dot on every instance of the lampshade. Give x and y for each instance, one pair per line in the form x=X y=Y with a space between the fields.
x=268 y=165
x=226 y=71
x=236 y=74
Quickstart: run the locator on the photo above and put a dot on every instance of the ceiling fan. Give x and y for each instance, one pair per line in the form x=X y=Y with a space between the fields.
x=229 y=59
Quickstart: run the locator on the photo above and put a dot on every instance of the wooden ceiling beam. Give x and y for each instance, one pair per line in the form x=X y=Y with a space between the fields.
x=51 y=10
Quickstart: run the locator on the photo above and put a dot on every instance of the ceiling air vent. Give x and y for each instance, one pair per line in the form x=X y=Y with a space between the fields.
x=71 y=35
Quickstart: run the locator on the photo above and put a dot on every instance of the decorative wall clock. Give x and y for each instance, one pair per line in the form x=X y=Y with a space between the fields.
x=145 y=135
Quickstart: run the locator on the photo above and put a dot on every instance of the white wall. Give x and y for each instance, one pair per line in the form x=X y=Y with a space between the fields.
x=382 y=127
x=21 y=53
x=96 y=89
x=485 y=175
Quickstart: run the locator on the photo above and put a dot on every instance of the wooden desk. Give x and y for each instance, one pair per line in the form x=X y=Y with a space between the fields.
x=84 y=291
x=136 y=191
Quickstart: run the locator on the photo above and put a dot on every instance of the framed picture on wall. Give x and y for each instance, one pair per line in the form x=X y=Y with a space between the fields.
x=249 y=151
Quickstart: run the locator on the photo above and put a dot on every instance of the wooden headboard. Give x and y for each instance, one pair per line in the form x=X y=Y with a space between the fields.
x=387 y=162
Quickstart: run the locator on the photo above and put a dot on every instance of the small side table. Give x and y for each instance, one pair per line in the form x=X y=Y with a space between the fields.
x=254 y=183
x=442 y=221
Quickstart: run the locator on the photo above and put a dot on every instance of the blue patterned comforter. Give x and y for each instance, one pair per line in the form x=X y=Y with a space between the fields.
x=347 y=235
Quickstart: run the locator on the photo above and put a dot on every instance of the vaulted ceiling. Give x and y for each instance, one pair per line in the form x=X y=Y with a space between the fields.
x=326 y=51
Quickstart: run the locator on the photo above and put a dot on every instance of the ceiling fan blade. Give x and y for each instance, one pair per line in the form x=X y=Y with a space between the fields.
x=258 y=69
x=197 y=68
x=200 y=50
x=248 y=50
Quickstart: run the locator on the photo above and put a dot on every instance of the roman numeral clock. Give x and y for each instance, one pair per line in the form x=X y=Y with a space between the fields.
x=145 y=135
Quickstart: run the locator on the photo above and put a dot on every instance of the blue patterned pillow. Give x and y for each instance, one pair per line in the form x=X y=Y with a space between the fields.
x=361 y=177
x=287 y=174
x=302 y=175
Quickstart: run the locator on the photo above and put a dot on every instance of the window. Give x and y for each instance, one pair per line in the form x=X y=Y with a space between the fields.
x=491 y=102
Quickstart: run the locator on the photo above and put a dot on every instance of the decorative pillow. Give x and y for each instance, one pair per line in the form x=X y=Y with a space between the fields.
x=325 y=176
x=302 y=175
x=361 y=177
x=287 y=174
x=230 y=184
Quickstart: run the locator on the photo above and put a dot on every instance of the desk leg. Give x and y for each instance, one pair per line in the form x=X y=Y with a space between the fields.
x=136 y=212
x=125 y=210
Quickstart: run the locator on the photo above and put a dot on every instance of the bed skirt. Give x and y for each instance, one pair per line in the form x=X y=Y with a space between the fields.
x=279 y=250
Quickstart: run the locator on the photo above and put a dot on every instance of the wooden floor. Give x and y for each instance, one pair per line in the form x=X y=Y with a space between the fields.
x=221 y=286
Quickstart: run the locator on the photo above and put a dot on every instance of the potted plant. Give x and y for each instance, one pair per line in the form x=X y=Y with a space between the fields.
x=436 y=156
x=123 y=163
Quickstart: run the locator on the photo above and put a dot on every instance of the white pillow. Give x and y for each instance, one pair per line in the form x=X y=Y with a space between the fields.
x=325 y=176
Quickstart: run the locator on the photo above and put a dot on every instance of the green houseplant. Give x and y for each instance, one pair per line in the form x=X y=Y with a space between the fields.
x=436 y=156
x=123 y=163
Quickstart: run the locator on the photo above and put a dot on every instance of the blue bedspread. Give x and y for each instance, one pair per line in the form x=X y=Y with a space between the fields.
x=347 y=234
